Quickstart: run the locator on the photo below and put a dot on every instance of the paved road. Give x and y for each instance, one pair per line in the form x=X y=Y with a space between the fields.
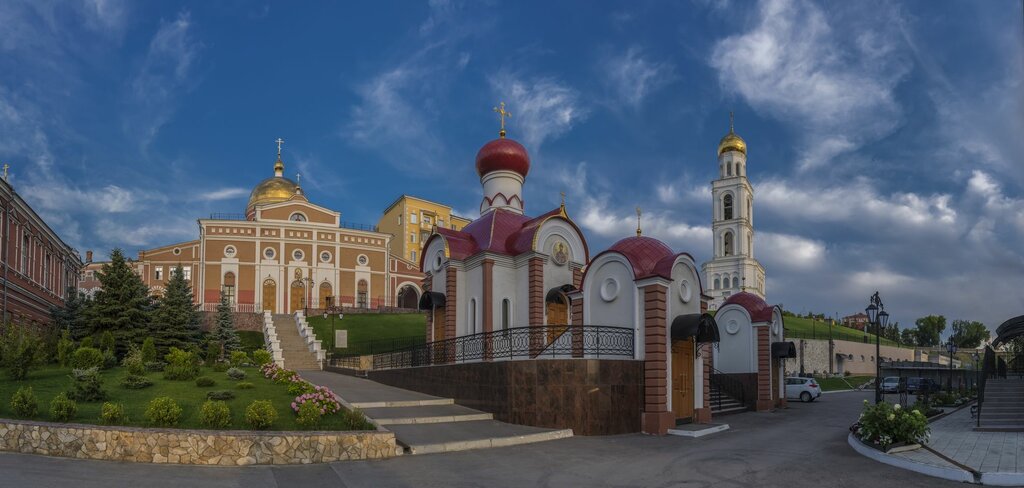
x=804 y=445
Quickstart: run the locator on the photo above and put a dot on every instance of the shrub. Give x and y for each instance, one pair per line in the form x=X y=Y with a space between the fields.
x=322 y=397
x=221 y=367
x=24 y=403
x=109 y=359
x=215 y=414
x=212 y=353
x=86 y=385
x=261 y=357
x=86 y=342
x=87 y=357
x=239 y=358
x=107 y=341
x=886 y=424
x=148 y=350
x=163 y=412
x=181 y=365
x=309 y=416
x=136 y=382
x=62 y=408
x=260 y=414
x=236 y=374
x=300 y=387
x=204 y=381
x=355 y=420
x=21 y=349
x=155 y=366
x=244 y=385
x=133 y=362
x=220 y=395
x=112 y=413
x=65 y=348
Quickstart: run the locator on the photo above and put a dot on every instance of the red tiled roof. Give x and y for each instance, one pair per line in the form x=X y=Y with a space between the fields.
x=758 y=309
x=645 y=254
x=499 y=231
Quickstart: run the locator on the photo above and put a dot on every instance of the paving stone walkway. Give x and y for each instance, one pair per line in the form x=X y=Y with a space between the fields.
x=427 y=424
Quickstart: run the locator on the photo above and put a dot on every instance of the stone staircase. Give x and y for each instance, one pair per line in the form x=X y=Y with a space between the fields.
x=294 y=347
x=723 y=404
x=1003 y=408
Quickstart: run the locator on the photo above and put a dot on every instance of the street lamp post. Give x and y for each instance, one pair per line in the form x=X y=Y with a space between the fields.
x=332 y=310
x=951 y=349
x=878 y=317
x=977 y=373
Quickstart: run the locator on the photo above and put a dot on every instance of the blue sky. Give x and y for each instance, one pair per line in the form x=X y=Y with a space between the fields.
x=884 y=137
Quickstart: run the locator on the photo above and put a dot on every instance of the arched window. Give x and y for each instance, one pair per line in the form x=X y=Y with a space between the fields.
x=506 y=314
x=718 y=284
x=727 y=244
x=727 y=206
x=750 y=244
x=728 y=169
x=472 y=316
x=297 y=217
x=750 y=214
x=735 y=282
x=229 y=287
x=362 y=295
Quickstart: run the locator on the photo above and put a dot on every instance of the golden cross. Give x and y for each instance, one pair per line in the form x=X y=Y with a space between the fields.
x=638 y=214
x=279 y=141
x=730 y=121
x=6 y=167
x=502 y=113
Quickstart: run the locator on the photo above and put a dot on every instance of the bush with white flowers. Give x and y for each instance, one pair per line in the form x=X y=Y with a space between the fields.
x=886 y=424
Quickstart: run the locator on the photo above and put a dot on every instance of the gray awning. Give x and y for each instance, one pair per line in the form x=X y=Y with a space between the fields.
x=431 y=299
x=783 y=350
x=701 y=326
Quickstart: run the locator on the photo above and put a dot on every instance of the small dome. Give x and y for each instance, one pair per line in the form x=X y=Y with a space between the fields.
x=758 y=309
x=272 y=190
x=503 y=154
x=643 y=253
x=732 y=142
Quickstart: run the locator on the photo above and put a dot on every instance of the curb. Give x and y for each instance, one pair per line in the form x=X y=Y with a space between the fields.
x=951 y=474
x=485 y=443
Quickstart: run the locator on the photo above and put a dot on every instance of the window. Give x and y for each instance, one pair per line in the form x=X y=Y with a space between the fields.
x=453 y=227
x=47 y=282
x=735 y=282
x=325 y=257
x=424 y=236
x=297 y=217
x=186 y=272
x=750 y=243
x=728 y=169
x=361 y=295
x=426 y=220
x=269 y=253
x=472 y=316
x=412 y=219
x=362 y=260
x=399 y=219
x=229 y=287
x=506 y=313
x=440 y=222
x=230 y=251
x=412 y=238
x=298 y=254
x=24 y=254
x=727 y=206
x=412 y=255
x=158 y=273
x=718 y=284
x=727 y=244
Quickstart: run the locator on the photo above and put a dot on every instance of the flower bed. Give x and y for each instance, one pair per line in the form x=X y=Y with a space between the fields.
x=886 y=426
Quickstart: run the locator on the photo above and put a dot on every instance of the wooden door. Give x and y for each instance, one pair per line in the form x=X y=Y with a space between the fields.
x=557 y=317
x=439 y=323
x=682 y=378
x=325 y=295
x=269 y=296
x=295 y=297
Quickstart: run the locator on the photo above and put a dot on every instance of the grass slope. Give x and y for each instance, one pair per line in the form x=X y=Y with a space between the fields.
x=801 y=328
x=365 y=327
x=47 y=382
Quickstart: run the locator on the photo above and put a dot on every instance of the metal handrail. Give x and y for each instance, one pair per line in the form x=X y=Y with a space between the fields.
x=988 y=368
x=576 y=341
x=730 y=386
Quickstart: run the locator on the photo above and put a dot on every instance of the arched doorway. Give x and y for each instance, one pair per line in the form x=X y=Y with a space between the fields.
x=407 y=297
x=269 y=295
x=362 y=296
x=682 y=377
x=556 y=307
x=326 y=299
x=296 y=297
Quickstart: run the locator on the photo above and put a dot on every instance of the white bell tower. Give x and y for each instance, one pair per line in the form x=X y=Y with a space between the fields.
x=733 y=268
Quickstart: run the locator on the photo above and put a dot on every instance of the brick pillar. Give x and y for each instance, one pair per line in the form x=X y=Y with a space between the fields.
x=656 y=417
x=430 y=313
x=764 y=365
x=576 y=298
x=450 y=308
x=703 y=414
x=536 y=297
x=488 y=305
x=780 y=400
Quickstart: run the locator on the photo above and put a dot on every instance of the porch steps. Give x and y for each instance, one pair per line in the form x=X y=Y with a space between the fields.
x=723 y=404
x=1003 y=408
x=293 y=347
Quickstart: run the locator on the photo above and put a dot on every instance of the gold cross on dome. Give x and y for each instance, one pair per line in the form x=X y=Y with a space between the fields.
x=279 y=142
x=502 y=114
x=638 y=214
x=730 y=122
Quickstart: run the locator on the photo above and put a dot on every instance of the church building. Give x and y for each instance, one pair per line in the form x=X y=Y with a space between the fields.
x=733 y=268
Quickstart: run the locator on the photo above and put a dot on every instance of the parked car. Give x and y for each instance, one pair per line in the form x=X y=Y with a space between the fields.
x=891 y=384
x=922 y=385
x=806 y=389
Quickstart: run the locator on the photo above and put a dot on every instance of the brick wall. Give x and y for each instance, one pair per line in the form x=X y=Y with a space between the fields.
x=656 y=419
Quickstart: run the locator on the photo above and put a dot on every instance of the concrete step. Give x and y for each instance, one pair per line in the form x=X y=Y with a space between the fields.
x=428 y=414
x=728 y=410
x=461 y=436
x=402 y=403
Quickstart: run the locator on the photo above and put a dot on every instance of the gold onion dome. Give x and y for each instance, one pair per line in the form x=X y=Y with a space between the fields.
x=732 y=141
x=277 y=188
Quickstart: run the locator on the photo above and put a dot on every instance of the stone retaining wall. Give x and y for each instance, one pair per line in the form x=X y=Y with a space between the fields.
x=242 y=321
x=179 y=446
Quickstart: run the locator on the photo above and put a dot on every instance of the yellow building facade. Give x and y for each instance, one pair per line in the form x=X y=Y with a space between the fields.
x=411 y=220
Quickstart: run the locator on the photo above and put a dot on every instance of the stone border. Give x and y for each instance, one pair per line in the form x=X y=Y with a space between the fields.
x=952 y=474
x=198 y=447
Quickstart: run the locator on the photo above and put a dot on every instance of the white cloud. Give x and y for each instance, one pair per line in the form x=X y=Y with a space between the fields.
x=634 y=76
x=542 y=108
x=148 y=234
x=789 y=252
x=223 y=194
x=832 y=78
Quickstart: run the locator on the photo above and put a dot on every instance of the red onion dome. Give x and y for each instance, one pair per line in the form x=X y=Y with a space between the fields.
x=643 y=253
x=502 y=155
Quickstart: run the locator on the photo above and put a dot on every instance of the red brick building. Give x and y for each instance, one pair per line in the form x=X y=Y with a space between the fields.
x=857 y=321
x=38 y=267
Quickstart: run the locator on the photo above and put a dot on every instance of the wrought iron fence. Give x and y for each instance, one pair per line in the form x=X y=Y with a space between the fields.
x=227 y=216
x=728 y=385
x=357 y=226
x=377 y=346
x=564 y=341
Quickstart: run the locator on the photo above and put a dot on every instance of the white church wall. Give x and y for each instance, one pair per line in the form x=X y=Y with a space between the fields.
x=470 y=289
x=552 y=230
x=504 y=286
x=736 y=350
x=521 y=306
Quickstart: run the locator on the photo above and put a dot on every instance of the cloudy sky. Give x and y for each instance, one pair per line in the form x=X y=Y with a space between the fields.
x=885 y=138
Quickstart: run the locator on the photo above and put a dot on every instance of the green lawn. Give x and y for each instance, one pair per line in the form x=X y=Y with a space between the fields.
x=48 y=381
x=801 y=328
x=845 y=383
x=365 y=327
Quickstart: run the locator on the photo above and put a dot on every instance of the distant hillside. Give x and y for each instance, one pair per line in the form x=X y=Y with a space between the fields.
x=801 y=328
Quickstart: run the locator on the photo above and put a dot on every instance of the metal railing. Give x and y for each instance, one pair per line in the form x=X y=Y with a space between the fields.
x=227 y=216
x=377 y=346
x=564 y=342
x=358 y=226
x=727 y=385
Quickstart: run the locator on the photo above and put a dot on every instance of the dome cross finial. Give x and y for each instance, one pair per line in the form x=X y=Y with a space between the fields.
x=279 y=142
x=278 y=165
x=638 y=214
x=502 y=114
x=731 y=131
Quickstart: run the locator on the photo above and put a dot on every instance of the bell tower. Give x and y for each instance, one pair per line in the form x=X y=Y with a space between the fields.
x=733 y=268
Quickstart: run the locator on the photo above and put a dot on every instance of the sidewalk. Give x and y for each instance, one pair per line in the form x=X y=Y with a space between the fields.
x=427 y=424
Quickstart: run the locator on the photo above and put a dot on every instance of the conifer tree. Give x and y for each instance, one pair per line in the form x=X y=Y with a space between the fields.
x=176 y=321
x=72 y=317
x=123 y=305
x=224 y=332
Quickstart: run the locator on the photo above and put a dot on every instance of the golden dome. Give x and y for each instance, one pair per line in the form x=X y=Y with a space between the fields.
x=277 y=188
x=732 y=142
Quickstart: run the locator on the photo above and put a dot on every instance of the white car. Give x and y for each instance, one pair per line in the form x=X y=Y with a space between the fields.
x=806 y=389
